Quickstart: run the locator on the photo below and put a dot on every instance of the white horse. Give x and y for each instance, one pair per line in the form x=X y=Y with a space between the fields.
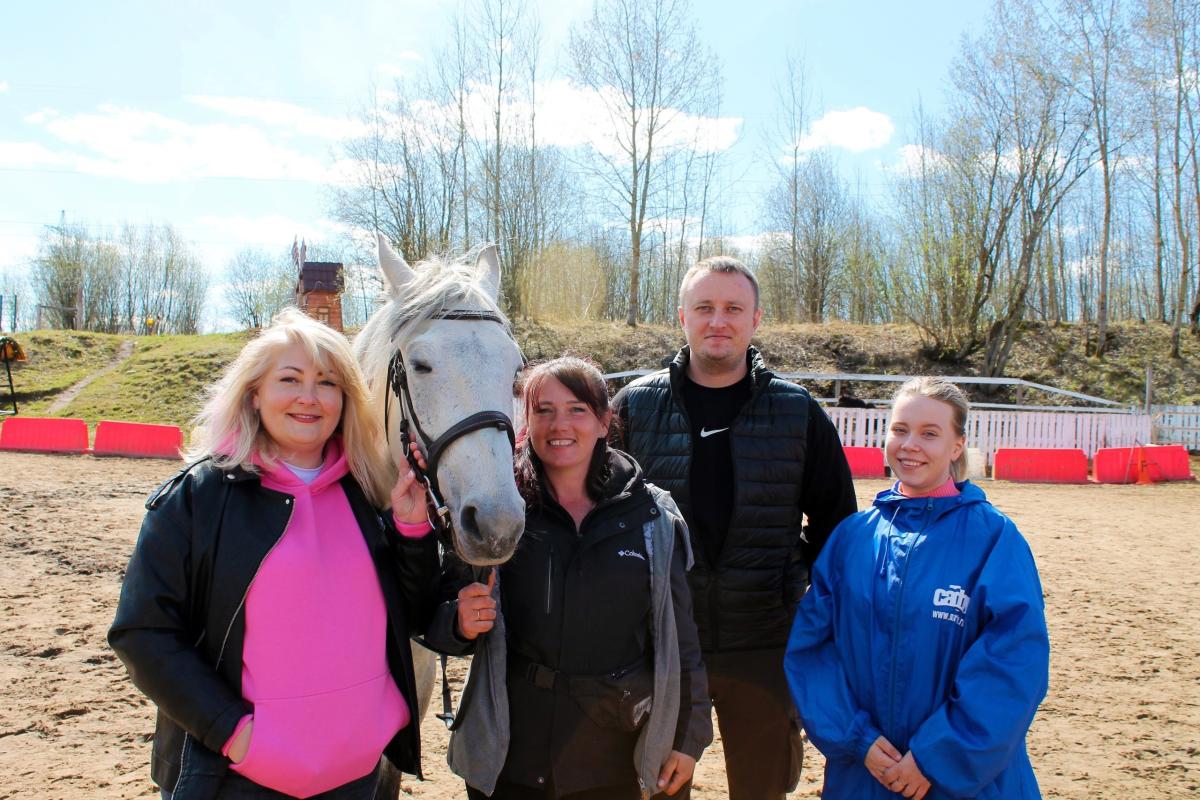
x=441 y=360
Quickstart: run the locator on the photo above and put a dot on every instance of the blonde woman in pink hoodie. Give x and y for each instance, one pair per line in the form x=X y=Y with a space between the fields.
x=268 y=604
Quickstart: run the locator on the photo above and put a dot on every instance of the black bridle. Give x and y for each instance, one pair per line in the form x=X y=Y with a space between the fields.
x=398 y=386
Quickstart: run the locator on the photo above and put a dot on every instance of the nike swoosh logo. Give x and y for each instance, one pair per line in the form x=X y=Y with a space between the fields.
x=704 y=434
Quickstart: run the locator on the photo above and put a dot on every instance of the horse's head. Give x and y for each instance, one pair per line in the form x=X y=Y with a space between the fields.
x=457 y=361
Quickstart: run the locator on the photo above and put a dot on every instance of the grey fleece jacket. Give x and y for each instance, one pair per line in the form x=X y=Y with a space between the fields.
x=479 y=739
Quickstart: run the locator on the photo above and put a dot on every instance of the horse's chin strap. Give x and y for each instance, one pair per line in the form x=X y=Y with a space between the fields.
x=398 y=386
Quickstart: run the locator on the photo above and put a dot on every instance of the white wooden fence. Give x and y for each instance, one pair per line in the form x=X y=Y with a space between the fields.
x=1177 y=425
x=990 y=430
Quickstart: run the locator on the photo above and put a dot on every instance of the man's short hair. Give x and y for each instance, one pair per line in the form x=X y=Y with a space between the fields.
x=727 y=264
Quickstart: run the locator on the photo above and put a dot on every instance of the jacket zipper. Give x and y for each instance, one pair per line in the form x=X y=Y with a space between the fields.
x=549 y=580
x=676 y=388
x=225 y=640
x=228 y=630
x=891 y=731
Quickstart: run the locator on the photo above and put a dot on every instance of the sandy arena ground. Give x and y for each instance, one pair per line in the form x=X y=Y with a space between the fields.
x=1120 y=567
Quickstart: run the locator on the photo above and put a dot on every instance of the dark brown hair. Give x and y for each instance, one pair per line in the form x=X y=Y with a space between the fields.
x=582 y=378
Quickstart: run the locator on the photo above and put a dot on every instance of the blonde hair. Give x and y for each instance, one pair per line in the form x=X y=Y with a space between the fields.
x=230 y=432
x=941 y=389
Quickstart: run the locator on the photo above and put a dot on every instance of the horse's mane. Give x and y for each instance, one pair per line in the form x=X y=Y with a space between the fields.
x=440 y=284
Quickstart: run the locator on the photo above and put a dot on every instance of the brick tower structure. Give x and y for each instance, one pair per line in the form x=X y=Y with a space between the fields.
x=318 y=288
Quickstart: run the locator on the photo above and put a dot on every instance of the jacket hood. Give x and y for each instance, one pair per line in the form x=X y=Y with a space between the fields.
x=760 y=376
x=891 y=501
x=624 y=476
x=623 y=480
x=333 y=469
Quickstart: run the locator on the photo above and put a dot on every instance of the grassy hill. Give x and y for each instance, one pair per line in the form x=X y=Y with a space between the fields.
x=163 y=380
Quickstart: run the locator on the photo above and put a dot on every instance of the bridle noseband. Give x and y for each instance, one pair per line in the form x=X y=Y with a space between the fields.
x=398 y=386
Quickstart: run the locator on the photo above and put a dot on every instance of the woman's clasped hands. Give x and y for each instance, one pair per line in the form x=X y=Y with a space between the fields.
x=897 y=773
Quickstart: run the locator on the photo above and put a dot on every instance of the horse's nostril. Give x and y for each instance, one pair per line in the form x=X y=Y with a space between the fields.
x=470 y=526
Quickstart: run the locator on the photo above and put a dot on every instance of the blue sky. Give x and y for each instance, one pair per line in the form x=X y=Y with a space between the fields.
x=223 y=118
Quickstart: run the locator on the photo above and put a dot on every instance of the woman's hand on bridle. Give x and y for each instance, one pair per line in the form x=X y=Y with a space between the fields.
x=408 y=495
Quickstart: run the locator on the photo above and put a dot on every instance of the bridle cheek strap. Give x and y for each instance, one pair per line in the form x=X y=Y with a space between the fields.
x=475 y=422
x=398 y=385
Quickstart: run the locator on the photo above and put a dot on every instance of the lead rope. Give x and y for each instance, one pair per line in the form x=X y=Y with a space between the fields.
x=447 y=715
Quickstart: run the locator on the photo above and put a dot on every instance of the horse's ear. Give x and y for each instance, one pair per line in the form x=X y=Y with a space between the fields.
x=396 y=272
x=487 y=266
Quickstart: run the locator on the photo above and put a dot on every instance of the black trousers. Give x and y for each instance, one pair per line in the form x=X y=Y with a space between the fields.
x=513 y=791
x=760 y=730
x=235 y=787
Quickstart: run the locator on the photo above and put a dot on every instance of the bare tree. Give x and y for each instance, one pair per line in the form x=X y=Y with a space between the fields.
x=784 y=202
x=1175 y=24
x=178 y=304
x=17 y=309
x=1046 y=131
x=643 y=60
x=57 y=276
x=953 y=204
x=1095 y=29
x=257 y=286
x=403 y=182
x=83 y=280
x=1149 y=87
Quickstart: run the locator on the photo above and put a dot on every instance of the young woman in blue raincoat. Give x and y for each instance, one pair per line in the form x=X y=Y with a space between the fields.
x=919 y=655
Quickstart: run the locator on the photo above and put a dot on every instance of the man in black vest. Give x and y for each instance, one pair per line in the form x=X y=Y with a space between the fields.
x=746 y=456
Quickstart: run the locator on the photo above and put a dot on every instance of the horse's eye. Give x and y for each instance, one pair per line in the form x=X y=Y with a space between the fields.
x=422 y=368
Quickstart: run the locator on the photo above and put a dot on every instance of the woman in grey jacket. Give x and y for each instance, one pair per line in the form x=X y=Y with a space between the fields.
x=587 y=680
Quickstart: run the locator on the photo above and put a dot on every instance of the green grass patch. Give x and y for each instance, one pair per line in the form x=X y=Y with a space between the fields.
x=164 y=379
x=57 y=360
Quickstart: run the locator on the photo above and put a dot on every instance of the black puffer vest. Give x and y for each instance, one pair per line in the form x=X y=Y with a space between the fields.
x=746 y=599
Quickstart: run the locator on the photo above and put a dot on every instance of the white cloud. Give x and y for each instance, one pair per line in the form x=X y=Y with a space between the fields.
x=916 y=158
x=19 y=250
x=856 y=130
x=407 y=58
x=280 y=115
x=263 y=139
x=272 y=232
x=38 y=117
x=749 y=244
x=148 y=147
x=569 y=116
x=24 y=155
x=218 y=239
x=3 y=86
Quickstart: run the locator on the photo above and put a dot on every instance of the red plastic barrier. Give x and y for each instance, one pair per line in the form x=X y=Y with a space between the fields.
x=137 y=439
x=44 y=435
x=1040 y=465
x=865 y=462
x=1143 y=464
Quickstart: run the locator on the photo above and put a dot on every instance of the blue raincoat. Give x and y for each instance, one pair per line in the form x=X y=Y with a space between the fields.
x=925 y=623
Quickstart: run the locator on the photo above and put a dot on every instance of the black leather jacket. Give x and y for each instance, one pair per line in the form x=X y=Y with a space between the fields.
x=180 y=622
x=788 y=463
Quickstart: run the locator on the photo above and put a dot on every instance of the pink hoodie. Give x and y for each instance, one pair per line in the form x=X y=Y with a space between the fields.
x=314 y=664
